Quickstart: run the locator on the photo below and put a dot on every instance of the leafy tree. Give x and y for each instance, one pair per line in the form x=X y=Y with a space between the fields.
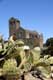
x=49 y=44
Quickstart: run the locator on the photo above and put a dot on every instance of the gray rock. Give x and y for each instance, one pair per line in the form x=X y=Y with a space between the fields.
x=28 y=76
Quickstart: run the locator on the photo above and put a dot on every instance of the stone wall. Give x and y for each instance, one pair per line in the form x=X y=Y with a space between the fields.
x=30 y=37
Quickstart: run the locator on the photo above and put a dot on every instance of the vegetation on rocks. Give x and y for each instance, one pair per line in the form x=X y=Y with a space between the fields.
x=19 y=62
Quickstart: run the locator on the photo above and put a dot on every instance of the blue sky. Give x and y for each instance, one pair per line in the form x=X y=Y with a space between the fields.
x=33 y=14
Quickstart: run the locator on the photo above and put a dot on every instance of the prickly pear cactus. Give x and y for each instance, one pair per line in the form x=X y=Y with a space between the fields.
x=14 y=61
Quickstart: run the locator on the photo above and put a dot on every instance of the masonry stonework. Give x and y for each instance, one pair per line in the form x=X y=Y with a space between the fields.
x=32 y=37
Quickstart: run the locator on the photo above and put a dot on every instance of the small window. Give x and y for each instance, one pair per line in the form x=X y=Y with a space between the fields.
x=36 y=36
x=31 y=36
x=20 y=35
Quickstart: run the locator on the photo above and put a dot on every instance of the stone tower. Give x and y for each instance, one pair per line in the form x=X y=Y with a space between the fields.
x=14 y=24
x=29 y=37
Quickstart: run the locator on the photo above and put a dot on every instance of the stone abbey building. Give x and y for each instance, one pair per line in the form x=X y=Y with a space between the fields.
x=29 y=37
